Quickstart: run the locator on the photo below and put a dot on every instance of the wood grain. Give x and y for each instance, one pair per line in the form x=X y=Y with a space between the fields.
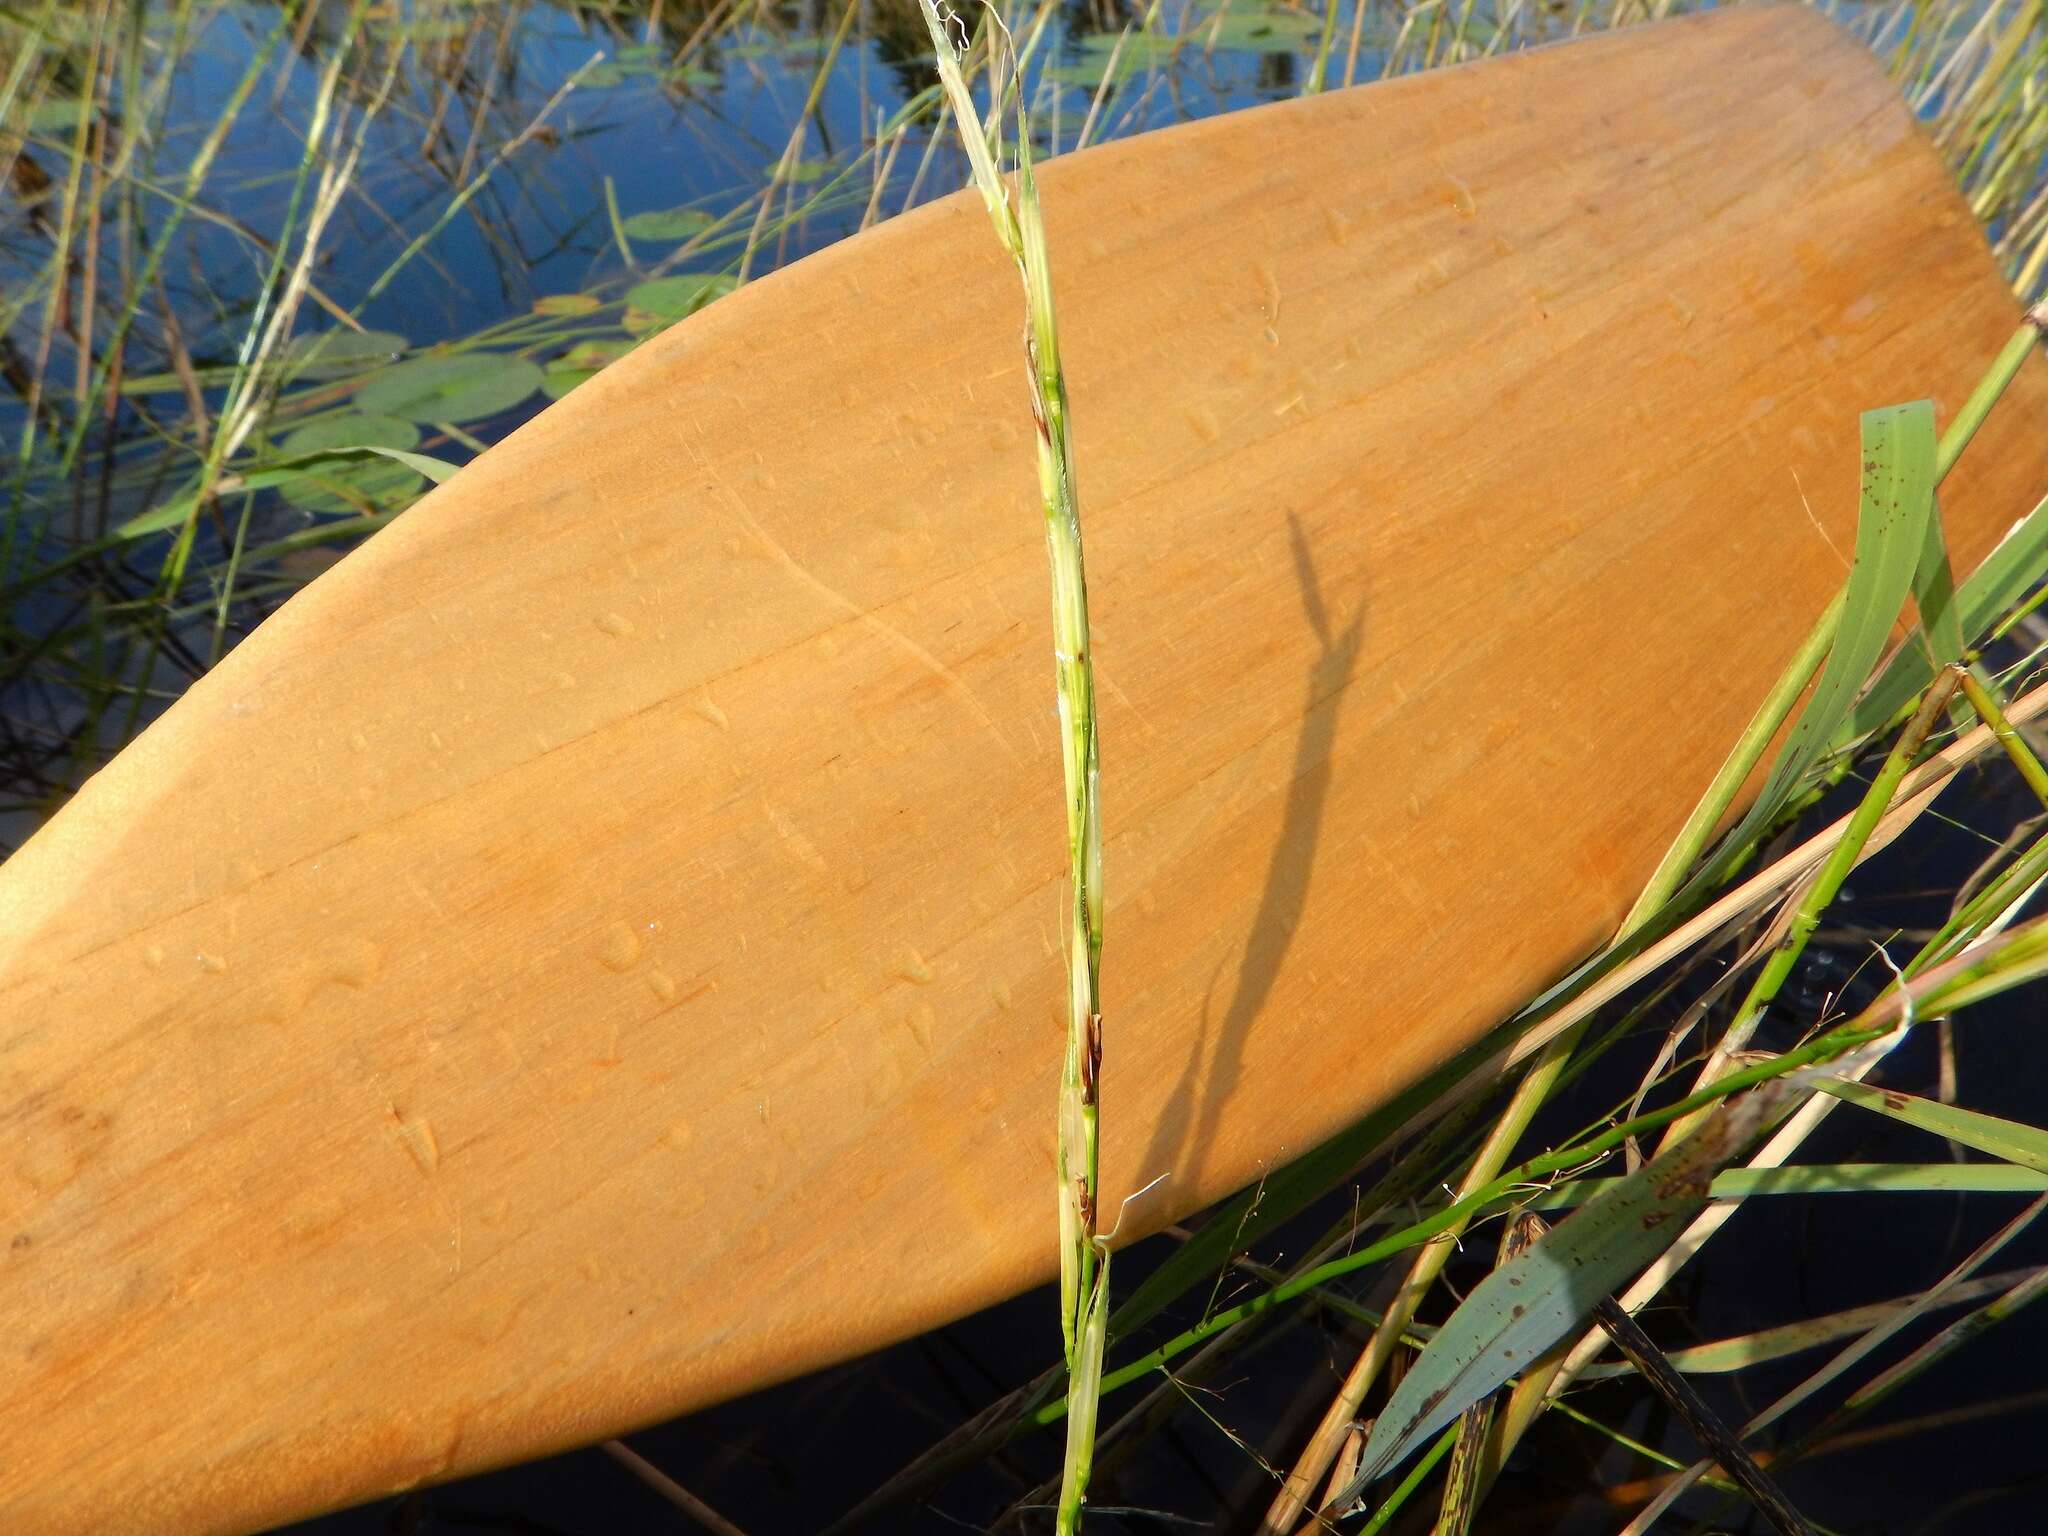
x=593 y=952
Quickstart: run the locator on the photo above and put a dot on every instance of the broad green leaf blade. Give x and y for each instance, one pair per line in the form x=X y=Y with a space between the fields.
x=331 y=464
x=557 y=381
x=371 y=481
x=439 y=471
x=1934 y=594
x=173 y=513
x=2008 y=573
x=338 y=353
x=1891 y=535
x=1536 y=1298
x=2025 y=1145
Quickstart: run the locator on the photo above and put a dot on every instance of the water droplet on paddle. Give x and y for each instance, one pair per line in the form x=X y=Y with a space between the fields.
x=618 y=948
x=416 y=1135
x=912 y=966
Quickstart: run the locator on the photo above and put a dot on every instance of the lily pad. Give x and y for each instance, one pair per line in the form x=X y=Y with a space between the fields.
x=1138 y=45
x=351 y=485
x=358 y=431
x=1089 y=73
x=567 y=304
x=593 y=354
x=579 y=364
x=663 y=300
x=464 y=387
x=557 y=381
x=668 y=224
x=1252 y=30
x=338 y=353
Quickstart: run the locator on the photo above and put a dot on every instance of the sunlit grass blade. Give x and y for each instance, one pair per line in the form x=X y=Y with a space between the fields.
x=1861 y=1349
x=2024 y=1145
x=1897 y=499
x=1726 y=1356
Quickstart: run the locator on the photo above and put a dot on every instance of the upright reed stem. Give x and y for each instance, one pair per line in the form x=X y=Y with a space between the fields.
x=1084 y=1257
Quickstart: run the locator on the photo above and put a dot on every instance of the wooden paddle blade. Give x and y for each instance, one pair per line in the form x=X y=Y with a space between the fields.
x=595 y=951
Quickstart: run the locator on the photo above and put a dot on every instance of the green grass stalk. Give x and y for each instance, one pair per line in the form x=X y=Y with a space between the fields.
x=1820 y=892
x=1084 y=1257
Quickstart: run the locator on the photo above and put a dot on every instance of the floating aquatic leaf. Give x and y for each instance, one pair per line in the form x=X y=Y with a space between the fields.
x=556 y=382
x=1129 y=44
x=593 y=354
x=1089 y=73
x=798 y=172
x=366 y=481
x=340 y=352
x=567 y=304
x=668 y=224
x=365 y=484
x=464 y=387
x=580 y=363
x=661 y=301
x=1252 y=30
x=358 y=431
x=173 y=513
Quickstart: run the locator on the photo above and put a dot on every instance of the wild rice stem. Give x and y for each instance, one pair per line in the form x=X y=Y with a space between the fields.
x=1084 y=1257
